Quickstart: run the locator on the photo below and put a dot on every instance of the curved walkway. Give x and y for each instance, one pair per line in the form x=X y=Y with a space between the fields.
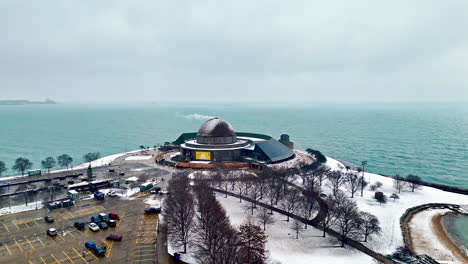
x=314 y=222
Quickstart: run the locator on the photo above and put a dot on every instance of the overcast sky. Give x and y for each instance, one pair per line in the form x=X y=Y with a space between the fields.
x=120 y=50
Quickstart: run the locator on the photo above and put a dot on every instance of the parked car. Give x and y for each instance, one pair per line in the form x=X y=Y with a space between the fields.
x=155 y=190
x=93 y=227
x=163 y=192
x=103 y=217
x=90 y=245
x=111 y=223
x=95 y=219
x=79 y=225
x=112 y=194
x=100 y=251
x=51 y=232
x=152 y=210
x=114 y=237
x=102 y=225
x=114 y=216
x=49 y=219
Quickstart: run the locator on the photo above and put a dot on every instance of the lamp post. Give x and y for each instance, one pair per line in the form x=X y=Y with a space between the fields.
x=9 y=196
x=363 y=163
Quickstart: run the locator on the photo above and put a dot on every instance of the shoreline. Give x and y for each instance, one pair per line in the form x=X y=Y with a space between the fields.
x=445 y=238
x=427 y=235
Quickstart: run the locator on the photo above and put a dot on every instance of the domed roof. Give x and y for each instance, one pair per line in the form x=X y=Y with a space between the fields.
x=216 y=127
x=216 y=131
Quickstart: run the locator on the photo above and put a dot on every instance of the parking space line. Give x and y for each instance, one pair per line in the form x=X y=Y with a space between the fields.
x=14 y=222
x=18 y=245
x=30 y=262
x=29 y=242
x=68 y=257
x=71 y=215
x=56 y=260
x=6 y=246
x=138 y=260
x=70 y=233
x=147 y=255
x=6 y=227
x=43 y=261
x=51 y=239
x=61 y=237
x=79 y=255
x=38 y=238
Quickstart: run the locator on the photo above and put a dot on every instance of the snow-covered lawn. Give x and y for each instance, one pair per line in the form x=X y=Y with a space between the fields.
x=283 y=247
x=20 y=208
x=145 y=157
x=389 y=213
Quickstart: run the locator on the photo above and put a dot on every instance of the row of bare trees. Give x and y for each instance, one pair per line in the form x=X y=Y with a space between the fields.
x=271 y=186
x=344 y=217
x=198 y=221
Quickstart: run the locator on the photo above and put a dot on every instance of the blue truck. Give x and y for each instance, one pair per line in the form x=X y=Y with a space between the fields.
x=98 y=251
x=99 y=195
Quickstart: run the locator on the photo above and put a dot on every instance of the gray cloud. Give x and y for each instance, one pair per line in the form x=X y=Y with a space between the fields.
x=253 y=50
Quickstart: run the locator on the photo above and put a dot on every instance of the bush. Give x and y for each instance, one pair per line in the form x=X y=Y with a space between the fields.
x=378 y=184
x=373 y=187
x=318 y=155
x=380 y=197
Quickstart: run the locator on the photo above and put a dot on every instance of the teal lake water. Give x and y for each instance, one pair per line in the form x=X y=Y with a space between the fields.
x=457 y=226
x=429 y=140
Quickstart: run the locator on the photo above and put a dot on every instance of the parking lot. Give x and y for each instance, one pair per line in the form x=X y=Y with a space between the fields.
x=23 y=237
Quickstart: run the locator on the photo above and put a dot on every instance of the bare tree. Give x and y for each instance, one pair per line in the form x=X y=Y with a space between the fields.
x=306 y=208
x=336 y=179
x=322 y=172
x=394 y=196
x=414 y=182
x=369 y=225
x=213 y=233
x=252 y=243
x=399 y=183
x=48 y=163
x=330 y=216
x=264 y=217
x=179 y=210
x=290 y=202
x=352 y=183
x=253 y=193
x=347 y=217
x=296 y=226
x=242 y=187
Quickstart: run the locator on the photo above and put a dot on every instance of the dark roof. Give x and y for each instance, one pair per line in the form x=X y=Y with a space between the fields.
x=192 y=135
x=216 y=127
x=274 y=150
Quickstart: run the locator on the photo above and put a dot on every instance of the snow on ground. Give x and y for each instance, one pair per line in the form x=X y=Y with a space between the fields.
x=301 y=157
x=153 y=201
x=97 y=163
x=423 y=237
x=145 y=157
x=21 y=208
x=122 y=193
x=284 y=248
x=389 y=213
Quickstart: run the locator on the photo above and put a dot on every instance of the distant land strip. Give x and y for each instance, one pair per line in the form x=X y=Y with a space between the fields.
x=26 y=102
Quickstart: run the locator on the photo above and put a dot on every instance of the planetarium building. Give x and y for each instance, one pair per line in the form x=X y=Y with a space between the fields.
x=217 y=141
